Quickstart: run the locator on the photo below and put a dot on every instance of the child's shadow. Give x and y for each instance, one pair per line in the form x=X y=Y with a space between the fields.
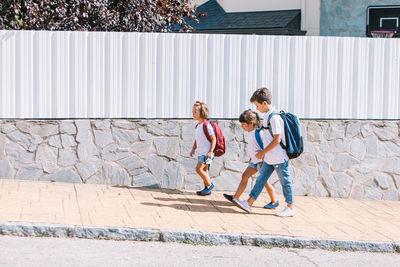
x=200 y=205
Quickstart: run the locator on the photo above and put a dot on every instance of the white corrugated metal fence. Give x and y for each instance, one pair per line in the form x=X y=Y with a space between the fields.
x=160 y=75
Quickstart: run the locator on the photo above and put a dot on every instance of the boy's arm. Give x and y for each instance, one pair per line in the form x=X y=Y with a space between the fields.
x=261 y=153
x=212 y=147
x=193 y=148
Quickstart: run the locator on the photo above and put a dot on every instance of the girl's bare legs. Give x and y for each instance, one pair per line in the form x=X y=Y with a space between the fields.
x=202 y=170
x=243 y=183
x=271 y=192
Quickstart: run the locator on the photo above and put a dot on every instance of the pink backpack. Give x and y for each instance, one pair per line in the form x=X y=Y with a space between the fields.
x=220 y=146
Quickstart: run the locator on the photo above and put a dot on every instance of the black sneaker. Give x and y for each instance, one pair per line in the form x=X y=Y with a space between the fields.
x=228 y=197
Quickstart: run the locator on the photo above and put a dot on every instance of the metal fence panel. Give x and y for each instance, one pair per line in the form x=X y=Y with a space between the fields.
x=160 y=75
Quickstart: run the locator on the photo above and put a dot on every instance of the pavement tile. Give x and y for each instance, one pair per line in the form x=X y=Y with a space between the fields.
x=148 y=208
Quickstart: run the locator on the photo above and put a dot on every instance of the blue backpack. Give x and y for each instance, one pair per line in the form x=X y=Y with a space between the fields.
x=294 y=140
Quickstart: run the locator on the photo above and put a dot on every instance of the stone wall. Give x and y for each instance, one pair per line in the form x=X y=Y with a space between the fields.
x=347 y=18
x=349 y=159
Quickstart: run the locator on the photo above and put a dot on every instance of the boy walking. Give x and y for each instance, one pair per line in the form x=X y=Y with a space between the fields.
x=275 y=157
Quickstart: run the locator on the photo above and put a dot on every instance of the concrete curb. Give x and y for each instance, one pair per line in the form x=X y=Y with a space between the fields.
x=191 y=237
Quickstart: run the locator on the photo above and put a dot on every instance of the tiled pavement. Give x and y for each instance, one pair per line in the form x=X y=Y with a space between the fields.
x=162 y=209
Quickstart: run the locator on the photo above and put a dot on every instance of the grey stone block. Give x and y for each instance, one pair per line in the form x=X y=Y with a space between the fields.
x=156 y=165
x=17 y=155
x=8 y=128
x=43 y=129
x=172 y=128
x=65 y=176
x=47 y=157
x=102 y=124
x=112 y=175
x=62 y=230
x=173 y=177
x=392 y=166
x=142 y=149
x=353 y=129
x=155 y=128
x=102 y=138
x=67 y=157
x=67 y=127
x=87 y=169
x=20 y=138
x=125 y=124
x=193 y=182
x=181 y=236
x=222 y=239
x=387 y=131
x=343 y=162
x=188 y=131
x=168 y=147
x=3 y=142
x=55 y=141
x=113 y=153
x=145 y=180
x=32 y=172
x=134 y=165
x=144 y=135
x=124 y=138
x=84 y=131
x=88 y=152
x=6 y=172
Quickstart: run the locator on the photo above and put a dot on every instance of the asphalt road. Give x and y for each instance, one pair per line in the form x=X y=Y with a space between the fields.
x=26 y=251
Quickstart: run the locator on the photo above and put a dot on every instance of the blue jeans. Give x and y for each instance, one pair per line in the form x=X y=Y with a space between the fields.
x=283 y=173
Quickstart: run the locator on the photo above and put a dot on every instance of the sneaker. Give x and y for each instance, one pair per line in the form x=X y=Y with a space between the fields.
x=286 y=212
x=243 y=204
x=206 y=191
x=198 y=192
x=228 y=197
x=271 y=205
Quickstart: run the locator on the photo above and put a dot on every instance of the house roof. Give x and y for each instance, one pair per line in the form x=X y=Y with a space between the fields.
x=217 y=20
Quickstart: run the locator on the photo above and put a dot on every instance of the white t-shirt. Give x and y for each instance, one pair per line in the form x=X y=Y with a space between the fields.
x=253 y=146
x=203 y=145
x=277 y=155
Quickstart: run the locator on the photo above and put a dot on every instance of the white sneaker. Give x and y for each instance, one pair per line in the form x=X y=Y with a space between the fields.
x=287 y=212
x=243 y=204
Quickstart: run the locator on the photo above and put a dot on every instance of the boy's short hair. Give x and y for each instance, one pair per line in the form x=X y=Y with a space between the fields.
x=204 y=113
x=261 y=95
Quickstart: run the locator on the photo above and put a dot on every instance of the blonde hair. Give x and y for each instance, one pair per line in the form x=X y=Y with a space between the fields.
x=204 y=113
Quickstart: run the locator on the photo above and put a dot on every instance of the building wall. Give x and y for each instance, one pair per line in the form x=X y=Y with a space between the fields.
x=310 y=9
x=347 y=159
x=259 y=5
x=347 y=18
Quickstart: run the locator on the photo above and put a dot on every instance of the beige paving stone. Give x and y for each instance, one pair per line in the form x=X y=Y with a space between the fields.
x=112 y=206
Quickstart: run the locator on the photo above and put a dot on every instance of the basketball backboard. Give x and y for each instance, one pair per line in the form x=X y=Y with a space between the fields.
x=383 y=18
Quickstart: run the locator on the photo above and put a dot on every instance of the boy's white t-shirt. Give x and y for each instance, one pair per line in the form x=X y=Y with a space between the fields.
x=277 y=155
x=203 y=145
x=253 y=146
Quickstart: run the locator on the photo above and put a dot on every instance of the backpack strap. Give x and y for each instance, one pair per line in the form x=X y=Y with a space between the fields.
x=205 y=130
x=270 y=128
x=258 y=137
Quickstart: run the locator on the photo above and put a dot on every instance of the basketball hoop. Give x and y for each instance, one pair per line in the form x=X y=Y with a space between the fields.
x=382 y=34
